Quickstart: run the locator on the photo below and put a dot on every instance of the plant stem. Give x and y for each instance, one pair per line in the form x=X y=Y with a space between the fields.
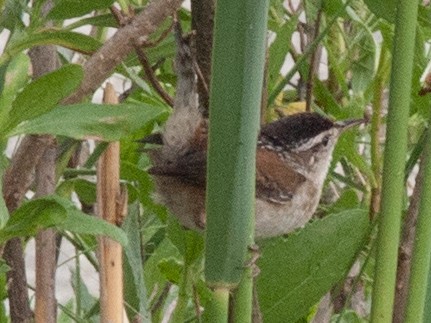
x=310 y=49
x=236 y=86
x=394 y=162
x=376 y=156
x=242 y=309
x=421 y=253
x=218 y=309
x=110 y=251
x=239 y=54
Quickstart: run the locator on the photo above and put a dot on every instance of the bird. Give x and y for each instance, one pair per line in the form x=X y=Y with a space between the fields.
x=293 y=156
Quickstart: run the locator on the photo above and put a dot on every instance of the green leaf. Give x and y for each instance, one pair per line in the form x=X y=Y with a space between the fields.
x=65 y=9
x=346 y=148
x=348 y=200
x=68 y=39
x=59 y=212
x=85 y=190
x=383 y=9
x=32 y=216
x=83 y=121
x=82 y=293
x=106 y=20
x=43 y=94
x=81 y=223
x=4 y=212
x=11 y=16
x=135 y=293
x=326 y=99
x=332 y=7
x=349 y=316
x=15 y=79
x=363 y=67
x=297 y=271
x=188 y=242
x=153 y=277
x=172 y=269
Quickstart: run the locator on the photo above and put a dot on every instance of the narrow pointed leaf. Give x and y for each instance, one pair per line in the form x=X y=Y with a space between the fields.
x=15 y=79
x=79 y=222
x=135 y=292
x=83 y=121
x=33 y=216
x=68 y=39
x=45 y=93
x=65 y=9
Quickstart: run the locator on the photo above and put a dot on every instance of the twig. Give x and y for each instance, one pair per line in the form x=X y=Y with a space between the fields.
x=301 y=37
x=313 y=63
x=101 y=65
x=161 y=299
x=16 y=182
x=405 y=249
x=202 y=25
x=44 y=60
x=197 y=305
x=290 y=6
x=165 y=33
x=46 y=246
x=201 y=77
x=119 y=16
x=123 y=96
x=151 y=77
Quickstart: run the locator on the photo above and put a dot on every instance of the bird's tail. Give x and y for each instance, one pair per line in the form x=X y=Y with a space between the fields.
x=186 y=118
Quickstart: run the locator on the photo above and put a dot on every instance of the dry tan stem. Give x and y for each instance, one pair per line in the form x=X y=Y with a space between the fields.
x=110 y=252
x=314 y=63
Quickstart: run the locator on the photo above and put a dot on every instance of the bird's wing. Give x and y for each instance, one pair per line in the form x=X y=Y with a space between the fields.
x=275 y=182
x=190 y=167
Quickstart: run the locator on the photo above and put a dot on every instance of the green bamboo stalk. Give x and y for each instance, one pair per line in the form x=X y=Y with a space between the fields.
x=394 y=162
x=217 y=311
x=421 y=253
x=236 y=85
x=242 y=307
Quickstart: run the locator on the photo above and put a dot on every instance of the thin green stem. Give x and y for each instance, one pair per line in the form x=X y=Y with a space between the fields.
x=180 y=309
x=218 y=309
x=241 y=310
x=376 y=119
x=394 y=162
x=310 y=49
x=421 y=253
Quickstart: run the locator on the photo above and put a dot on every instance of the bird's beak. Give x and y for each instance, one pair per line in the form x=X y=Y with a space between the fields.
x=347 y=124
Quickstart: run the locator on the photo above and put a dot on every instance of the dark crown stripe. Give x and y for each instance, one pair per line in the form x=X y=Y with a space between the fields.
x=295 y=129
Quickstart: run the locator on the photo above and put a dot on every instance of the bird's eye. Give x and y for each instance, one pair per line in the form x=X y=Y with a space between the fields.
x=325 y=141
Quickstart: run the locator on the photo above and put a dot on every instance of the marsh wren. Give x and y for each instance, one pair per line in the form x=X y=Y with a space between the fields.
x=293 y=156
